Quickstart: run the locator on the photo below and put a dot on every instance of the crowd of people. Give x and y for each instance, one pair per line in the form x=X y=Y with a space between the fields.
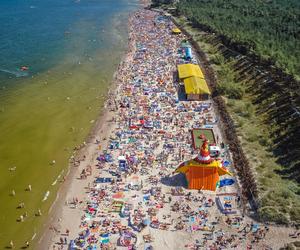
x=135 y=200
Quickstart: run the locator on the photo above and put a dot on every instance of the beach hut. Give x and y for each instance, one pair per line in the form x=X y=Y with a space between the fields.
x=189 y=70
x=196 y=88
x=194 y=83
x=203 y=172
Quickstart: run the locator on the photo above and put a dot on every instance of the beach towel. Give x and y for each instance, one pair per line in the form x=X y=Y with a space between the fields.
x=104 y=238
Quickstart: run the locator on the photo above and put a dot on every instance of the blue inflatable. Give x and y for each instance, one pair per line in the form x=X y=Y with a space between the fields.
x=226 y=182
x=188 y=53
x=226 y=163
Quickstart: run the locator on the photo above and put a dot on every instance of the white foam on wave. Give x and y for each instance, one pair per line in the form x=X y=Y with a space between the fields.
x=16 y=73
x=46 y=195
x=57 y=178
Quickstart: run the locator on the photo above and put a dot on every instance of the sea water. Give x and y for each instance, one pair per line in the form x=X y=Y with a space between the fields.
x=71 y=49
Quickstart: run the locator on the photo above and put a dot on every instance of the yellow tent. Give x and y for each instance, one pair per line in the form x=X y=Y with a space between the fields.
x=188 y=70
x=176 y=31
x=195 y=85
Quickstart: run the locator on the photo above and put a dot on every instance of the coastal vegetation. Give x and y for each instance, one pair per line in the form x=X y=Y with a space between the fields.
x=269 y=29
x=259 y=89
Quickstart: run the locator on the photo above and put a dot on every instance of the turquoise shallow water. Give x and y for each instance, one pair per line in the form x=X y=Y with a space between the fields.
x=72 y=49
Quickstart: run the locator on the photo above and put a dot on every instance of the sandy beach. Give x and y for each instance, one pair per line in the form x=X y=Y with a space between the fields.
x=122 y=192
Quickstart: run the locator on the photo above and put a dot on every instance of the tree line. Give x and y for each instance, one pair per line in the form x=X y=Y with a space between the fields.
x=270 y=29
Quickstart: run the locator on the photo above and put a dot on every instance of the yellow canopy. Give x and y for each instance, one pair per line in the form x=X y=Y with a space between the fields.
x=195 y=85
x=214 y=164
x=176 y=31
x=188 y=70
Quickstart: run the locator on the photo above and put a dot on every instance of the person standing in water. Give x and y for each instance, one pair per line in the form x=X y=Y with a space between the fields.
x=27 y=244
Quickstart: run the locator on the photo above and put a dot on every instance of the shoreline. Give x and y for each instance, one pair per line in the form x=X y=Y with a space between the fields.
x=56 y=209
x=91 y=148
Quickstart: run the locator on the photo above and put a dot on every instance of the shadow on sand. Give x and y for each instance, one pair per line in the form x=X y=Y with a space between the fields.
x=177 y=180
